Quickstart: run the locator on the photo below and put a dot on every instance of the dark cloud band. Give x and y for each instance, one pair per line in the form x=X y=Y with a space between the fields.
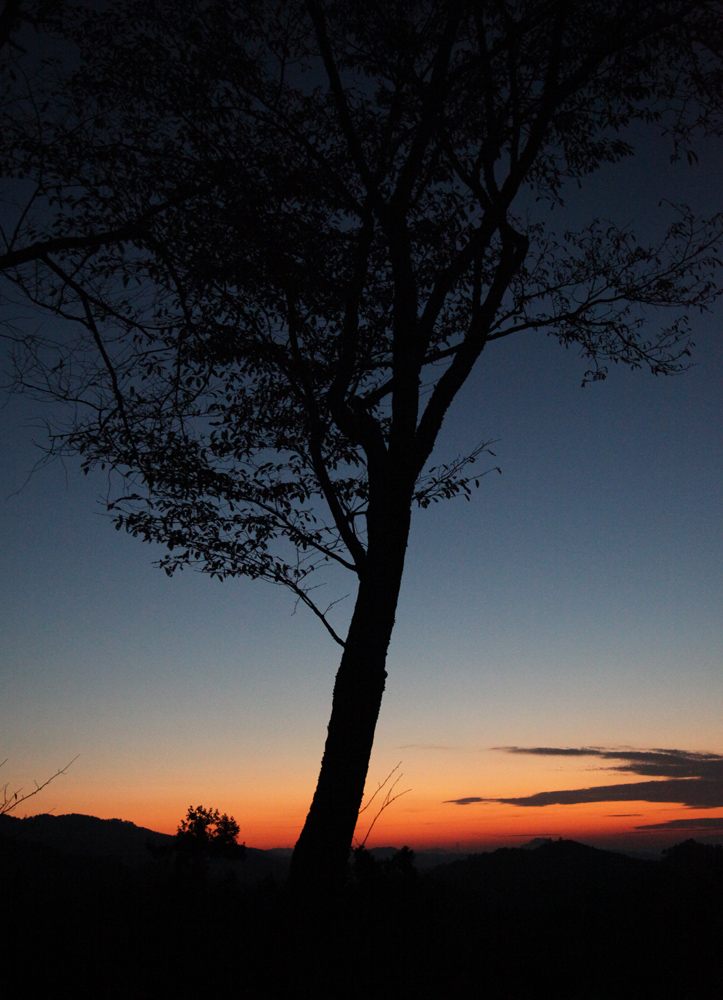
x=688 y=778
x=701 y=824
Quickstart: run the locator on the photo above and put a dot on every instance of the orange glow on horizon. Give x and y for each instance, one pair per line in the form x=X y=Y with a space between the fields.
x=419 y=822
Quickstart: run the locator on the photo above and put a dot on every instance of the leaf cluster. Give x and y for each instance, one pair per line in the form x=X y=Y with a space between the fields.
x=207 y=832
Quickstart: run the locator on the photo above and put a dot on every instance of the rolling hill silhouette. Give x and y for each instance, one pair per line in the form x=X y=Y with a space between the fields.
x=557 y=917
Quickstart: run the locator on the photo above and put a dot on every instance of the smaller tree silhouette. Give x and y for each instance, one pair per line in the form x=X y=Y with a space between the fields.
x=399 y=869
x=205 y=831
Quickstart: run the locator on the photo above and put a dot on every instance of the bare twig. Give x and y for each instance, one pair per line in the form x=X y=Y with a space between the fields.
x=10 y=802
x=388 y=799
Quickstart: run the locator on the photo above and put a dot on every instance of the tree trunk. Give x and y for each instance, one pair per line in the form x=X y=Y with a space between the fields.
x=321 y=854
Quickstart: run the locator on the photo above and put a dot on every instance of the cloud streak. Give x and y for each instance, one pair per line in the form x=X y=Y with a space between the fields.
x=688 y=778
x=661 y=763
x=701 y=824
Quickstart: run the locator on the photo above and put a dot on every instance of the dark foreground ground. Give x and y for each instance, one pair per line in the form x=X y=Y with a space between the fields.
x=562 y=921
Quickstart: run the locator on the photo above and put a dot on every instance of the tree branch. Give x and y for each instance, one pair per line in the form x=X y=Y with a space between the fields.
x=514 y=249
x=13 y=800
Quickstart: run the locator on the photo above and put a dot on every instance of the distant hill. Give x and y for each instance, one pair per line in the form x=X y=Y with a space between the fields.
x=558 y=918
x=538 y=872
x=91 y=837
x=423 y=860
x=532 y=869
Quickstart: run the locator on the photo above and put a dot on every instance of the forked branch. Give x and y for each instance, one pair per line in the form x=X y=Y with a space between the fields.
x=12 y=801
x=388 y=799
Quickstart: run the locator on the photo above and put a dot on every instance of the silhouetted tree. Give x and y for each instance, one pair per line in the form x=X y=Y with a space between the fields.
x=401 y=864
x=364 y=865
x=284 y=234
x=206 y=831
x=691 y=855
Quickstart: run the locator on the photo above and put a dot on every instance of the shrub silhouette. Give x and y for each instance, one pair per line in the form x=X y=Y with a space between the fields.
x=398 y=869
x=206 y=832
x=692 y=856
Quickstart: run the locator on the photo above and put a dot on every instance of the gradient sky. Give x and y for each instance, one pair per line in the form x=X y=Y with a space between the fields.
x=574 y=604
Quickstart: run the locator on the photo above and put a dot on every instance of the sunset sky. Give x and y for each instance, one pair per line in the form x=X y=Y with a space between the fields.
x=561 y=632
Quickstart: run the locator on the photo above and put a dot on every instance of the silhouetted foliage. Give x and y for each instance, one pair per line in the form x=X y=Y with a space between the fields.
x=364 y=864
x=281 y=236
x=206 y=832
x=401 y=865
x=693 y=856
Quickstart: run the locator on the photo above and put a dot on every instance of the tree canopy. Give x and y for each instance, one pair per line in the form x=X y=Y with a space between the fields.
x=282 y=235
x=206 y=831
